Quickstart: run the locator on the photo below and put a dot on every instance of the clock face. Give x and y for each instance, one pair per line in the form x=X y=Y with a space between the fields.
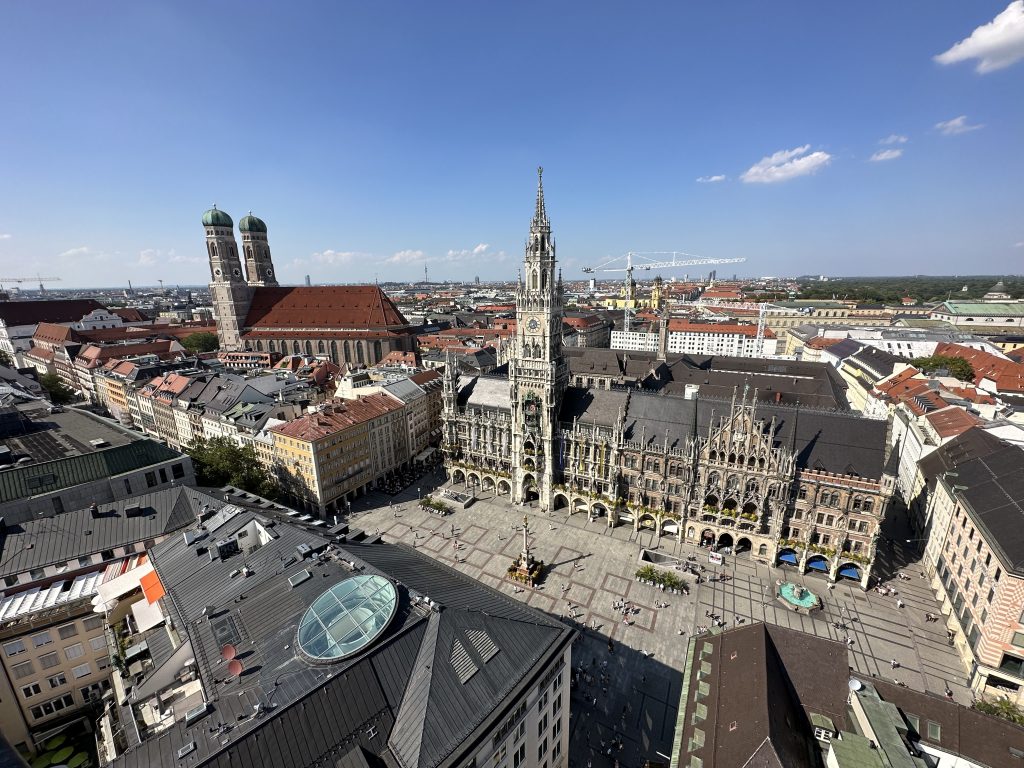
x=533 y=325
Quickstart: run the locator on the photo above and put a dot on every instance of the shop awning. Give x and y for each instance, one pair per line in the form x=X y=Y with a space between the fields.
x=850 y=572
x=788 y=557
x=818 y=565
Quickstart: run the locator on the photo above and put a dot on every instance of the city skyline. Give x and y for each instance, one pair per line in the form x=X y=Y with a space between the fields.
x=853 y=141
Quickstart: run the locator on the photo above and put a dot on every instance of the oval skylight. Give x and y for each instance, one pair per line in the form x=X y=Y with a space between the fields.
x=347 y=617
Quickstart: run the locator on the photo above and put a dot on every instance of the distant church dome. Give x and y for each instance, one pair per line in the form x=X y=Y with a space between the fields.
x=216 y=218
x=252 y=224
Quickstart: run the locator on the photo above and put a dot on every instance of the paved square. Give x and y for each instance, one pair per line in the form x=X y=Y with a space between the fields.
x=632 y=693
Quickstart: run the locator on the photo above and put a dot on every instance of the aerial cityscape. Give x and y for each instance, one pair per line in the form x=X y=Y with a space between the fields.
x=550 y=386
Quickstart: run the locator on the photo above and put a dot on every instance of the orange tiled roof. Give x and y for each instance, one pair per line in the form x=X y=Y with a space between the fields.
x=1007 y=375
x=337 y=416
x=354 y=307
x=951 y=421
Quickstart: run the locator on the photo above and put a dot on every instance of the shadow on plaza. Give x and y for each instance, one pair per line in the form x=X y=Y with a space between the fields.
x=620 y=697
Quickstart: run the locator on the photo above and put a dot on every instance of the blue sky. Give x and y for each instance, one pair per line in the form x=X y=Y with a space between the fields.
x=376 y=137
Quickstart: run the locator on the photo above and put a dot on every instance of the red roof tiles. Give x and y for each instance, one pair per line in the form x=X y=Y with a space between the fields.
x=338 y=415
x=363 y=307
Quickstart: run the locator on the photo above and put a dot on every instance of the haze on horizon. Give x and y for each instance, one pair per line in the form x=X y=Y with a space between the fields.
x=863 y=140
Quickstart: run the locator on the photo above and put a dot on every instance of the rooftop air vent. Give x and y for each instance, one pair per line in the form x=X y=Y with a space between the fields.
x=304 y=550
x=188 y=749
x=196 y=714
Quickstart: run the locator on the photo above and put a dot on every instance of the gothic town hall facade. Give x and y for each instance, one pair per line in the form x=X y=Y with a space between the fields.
x=778 y=483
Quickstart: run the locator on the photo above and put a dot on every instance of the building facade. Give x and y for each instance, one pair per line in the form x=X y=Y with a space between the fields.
x=354 y=325
x=783 y=484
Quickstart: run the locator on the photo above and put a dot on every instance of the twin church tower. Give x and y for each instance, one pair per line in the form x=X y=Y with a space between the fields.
x=230 y=289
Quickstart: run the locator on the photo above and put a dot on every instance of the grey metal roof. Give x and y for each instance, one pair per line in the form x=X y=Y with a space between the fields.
x=993 y=486
x=70 y=535
x=839 y=442
x=484 y=392
x=55 y=475
x=325 y=714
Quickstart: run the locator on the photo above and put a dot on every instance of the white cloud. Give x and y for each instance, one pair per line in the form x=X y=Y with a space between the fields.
x=5 y=236
x=478 y=252
x=407 y=256
x=710 y=179
x=893 y=138
x=886 y=154
x=995 y=45
x=149 y=257
x=1019 y=245
x=786 y=164
x=957 y=125
x=82 y=250
x=337 y=257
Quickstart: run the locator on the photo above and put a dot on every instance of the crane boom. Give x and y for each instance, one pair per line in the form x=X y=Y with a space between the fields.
x=29 y=279
x=645 y=263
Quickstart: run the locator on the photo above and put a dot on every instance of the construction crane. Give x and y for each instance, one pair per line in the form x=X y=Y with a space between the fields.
x=645 y=263
x=37 y=278
x=761 y=308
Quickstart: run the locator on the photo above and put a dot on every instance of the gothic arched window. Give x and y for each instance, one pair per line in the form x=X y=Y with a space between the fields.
x=321 y=348
x=334 y=351
x=348 y=351
x=295 y=347
x=377 y=356
x=259 y=345
x=270 y=346
x=309 y=347
x=868 y=504
x=359 y=352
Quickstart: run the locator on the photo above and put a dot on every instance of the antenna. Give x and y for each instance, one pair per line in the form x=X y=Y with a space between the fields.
x=228 y=652
x=235 y=668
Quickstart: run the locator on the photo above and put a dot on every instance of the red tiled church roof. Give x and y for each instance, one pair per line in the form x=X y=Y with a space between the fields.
x=333 y=306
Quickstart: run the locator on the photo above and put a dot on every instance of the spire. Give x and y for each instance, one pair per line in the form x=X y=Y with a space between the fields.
x=540 y=215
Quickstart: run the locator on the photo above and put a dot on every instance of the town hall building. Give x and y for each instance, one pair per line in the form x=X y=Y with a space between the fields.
x=782 y=483
x=354 y=325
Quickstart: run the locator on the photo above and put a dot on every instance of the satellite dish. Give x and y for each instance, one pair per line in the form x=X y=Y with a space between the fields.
x=855 y=684
x=234 y=668
x=228 y=652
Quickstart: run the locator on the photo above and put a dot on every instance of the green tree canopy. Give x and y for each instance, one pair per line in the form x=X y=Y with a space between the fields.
x=1002 y=707
x=200 y=342
x=956 y=366
x=55 y=389
x=219 y=461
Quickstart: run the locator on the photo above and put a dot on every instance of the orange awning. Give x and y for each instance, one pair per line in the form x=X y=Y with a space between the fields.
x=151 y=587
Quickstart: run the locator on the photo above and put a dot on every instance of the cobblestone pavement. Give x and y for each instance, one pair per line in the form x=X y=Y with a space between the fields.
x=596 y=567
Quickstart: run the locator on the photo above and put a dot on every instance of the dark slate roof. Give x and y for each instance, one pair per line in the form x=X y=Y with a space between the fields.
x=57 y=539
x=993 y=487
x=49 y=476
x=964 y=731
x=838 y=442
x=764 y=682
x=782 y=381
x=403 y=684
x=874 y=361
x=845 y=348
x=46 y=311
x=973 y=443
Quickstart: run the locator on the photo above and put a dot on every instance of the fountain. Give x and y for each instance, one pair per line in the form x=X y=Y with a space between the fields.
x=796 y=597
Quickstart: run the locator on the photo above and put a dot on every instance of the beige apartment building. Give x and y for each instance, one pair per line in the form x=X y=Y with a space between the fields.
x=975 y=554
x=328 y=457
x=54 y=657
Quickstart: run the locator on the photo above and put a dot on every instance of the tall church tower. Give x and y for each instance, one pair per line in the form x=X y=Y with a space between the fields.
x=259 y=269
x=538 y=373
x=231 y=295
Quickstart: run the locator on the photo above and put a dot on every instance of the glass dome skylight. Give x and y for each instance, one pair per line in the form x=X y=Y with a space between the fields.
x=347 y=617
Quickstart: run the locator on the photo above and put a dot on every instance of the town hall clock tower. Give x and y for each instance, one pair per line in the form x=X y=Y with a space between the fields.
x=538 y=372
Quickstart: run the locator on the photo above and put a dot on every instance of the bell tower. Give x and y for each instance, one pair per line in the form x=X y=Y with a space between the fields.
x=259 y=269
x=538 y=373
x=231 y=295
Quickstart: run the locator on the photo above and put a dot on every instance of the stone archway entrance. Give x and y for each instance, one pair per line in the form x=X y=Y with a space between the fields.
x=504 y=488
x=530 y=492
x=725 y=541
x=743 y=546
x=559 y=501
x=707 y=537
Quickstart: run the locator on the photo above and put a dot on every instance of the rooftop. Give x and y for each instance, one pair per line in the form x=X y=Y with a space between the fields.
x=354 y=307
x=46 y=311
x=439 y=672
x=62 y=538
